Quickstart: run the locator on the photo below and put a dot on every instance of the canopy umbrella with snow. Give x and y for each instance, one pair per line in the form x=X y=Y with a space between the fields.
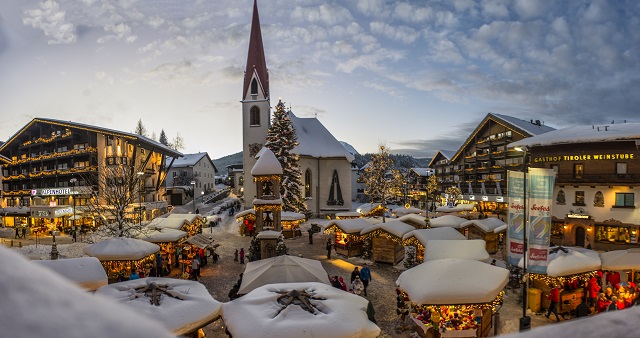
x=85 y=272
x=182 y=306
x=37 y=302
x=293 y=310
x=282 y=269
x=466 y=249
x=568 y=263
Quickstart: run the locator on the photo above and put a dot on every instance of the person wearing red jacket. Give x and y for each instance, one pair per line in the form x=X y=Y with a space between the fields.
x=554 y=297
x=592 y=291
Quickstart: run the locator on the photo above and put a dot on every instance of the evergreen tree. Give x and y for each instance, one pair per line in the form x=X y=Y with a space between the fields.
x=410 y=258
x=367 y=250
x=163 y=138
x=254 y=249
x=452 y=195
x=281 y=248
x=281 y=139
x=382 y=182
x=140 y=129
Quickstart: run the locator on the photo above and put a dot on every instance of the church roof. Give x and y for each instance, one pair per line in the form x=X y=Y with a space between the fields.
x=267 y=164
x=315 y=140
x=256 y=59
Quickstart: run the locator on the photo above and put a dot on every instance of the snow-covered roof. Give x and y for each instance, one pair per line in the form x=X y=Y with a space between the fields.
x=527 y=126
x=269 y=234
x=447 y=154
x=336 y=313
x=583 y=134
x=405 y=211
x=425 y=235
x=348 y=214
x=628 y=259
x=190 y=218
x=349 y=226
x=267 y=164
x=486 y=224
x=467 y=249
x=168 y=223
x=120 y=249
x=457 y=208
x=451 y=281
x=86 y=272
x=261 y=201
x=188 y=160
x=315 y=140
x=366 y=208
x=282 y=269
x=201 y=240
x=447 y=221
x=284 y=216
x=393 y=227
x=422 y=171
x=413 y=218
x=349 y=148
x=162 y=235
x=189 y=307
x=575 y=260
x=37 y=302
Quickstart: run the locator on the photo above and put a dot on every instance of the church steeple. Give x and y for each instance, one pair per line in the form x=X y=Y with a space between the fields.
x=256 y=62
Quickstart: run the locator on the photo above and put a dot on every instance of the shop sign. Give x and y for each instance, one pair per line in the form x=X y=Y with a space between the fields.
x=41 y=213
x=578 y=216
x=62 y=211
x=54 y=191
x=472 y=197
x=485 y=198
x=585 y=157
x=499 y=199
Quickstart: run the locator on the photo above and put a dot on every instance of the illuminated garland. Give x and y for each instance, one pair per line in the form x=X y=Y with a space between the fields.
x=266 y=178
x=114 y=268
x=584 y=277
x=493 y=305
x=267 y=207
x=47 y=139
x=413 y=241
x=385 y=234
x=54 y=155
x=348 y=217
x=250 y=217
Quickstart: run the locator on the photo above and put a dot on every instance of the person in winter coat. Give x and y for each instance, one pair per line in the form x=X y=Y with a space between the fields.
x=134 y=275
x=614 y=304
x=582 y=310
x=365 y=276
x=195 y=267
x=554 y=297
x=357 y=286
x=355 y=273
x=592 y=291
x=242 y=256
x=343 y=285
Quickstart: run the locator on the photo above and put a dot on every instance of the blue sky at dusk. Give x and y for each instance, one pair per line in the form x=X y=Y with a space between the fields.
x=416 y=76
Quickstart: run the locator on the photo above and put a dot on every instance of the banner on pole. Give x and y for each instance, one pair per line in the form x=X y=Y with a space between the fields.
x=515 y=217
x=540 y=190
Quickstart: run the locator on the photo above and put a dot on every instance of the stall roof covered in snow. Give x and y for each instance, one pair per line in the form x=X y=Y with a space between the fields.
x=405 y=211
x=489 y=224
x=190 y=218
x=575 y=260
x=167 y=223
x=349 y=226
x=261 y=201
x=413 y=218
x=120 y=249
x=267 y=164
x=348 y=214
x=315 y=140
x=185 y=306
x=393 y=227
x=424 y=172
x=282 y=269
x=334 y=313
x=583 y=134
x=628 y=259
x=366 y=208
x=467 y=249
x=457 y=208
x=201 y=240
x=447 y=221
x=285 y=215
x=37 y=302
x=86 y=272
x=162 y=235
x=269 y=234
x=425 y=235
x=451 y=281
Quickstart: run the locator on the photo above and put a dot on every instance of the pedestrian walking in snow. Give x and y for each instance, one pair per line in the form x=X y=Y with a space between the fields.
x=235 y=256
x=242 y=256
x=329 y=247
x=365 y=277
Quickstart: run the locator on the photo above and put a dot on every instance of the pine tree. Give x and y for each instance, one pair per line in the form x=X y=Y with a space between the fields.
x=381 y=180
x=410 y=258
x=140 y=129
x=281 y=248
x=281 y=139
x=367 y=250
x=254 y=249
x=163 y=138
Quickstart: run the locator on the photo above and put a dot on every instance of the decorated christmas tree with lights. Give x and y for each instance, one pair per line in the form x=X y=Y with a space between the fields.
x=281 y=139
x=381 y=180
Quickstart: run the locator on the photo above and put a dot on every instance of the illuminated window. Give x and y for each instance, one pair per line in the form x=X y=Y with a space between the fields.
x=579 y=198
x=578 y=170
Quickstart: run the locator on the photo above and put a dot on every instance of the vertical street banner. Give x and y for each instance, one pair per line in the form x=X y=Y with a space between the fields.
x=515 y=217
x=540 y=190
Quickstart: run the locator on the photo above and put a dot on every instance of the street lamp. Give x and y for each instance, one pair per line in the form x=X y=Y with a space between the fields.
x=193 y=183
x=525 y=321
x=75 y=227
x=140 y=174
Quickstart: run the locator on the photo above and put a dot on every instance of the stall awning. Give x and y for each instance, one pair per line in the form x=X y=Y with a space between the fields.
x=201 y=241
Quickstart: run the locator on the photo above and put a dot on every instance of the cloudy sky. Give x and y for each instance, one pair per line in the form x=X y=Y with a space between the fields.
x=413 y=75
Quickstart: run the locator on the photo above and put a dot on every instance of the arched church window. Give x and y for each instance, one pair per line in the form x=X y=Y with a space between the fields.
x=254 y=116
x=335 y=193
x=254 y=87
x=307 y=183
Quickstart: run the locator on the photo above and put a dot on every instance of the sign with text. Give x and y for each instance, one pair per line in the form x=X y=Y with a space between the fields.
x=515 y=217
x=540 y=191
x=54 y=191
x=585 y=157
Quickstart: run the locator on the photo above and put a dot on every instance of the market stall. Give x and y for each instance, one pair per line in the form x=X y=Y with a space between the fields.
x=293 y=310
x=406 y=210
x=450 y=221
x=420 y=237
x=194 y=222
x=282 y=269
x=570 y=268
x=119 y=256
x=371 y=209
x=168 y=240
x=348 y=240
x=183 y=307
x=491 y=230
x=290 y=222
x=622 y=260
x=386 y=240
x=456 y=208
x=453 y=297
x=348 y=215
x=85 y=272
x=416 y=221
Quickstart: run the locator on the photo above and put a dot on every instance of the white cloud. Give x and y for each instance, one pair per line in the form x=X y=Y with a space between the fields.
x=325 y=14
x=121 y=32
x=528 y=9
x=494 y=9
x=51 y=20
x=403 y=34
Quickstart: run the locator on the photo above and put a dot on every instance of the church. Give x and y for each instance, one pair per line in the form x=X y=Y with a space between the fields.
x=325 y=163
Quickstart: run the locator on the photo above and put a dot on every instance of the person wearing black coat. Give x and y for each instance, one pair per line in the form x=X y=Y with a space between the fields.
x=354 y=273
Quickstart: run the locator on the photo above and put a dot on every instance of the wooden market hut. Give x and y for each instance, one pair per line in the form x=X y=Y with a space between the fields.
x=371 y=209
x=490 y=229
x=290 y=222
x=121 y=255
x=402 y=211
x=627 y=260
x=439 y=288
x=168 y=239
x=386 y=241
x=194 y=222
x=348 y=239
x=416 y=221
x=348 y=215
x=420 y=237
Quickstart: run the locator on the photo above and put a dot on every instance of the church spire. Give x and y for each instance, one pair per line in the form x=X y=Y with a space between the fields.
x=256 y=59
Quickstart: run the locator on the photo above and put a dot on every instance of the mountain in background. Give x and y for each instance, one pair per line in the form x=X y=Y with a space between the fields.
x=222 y=162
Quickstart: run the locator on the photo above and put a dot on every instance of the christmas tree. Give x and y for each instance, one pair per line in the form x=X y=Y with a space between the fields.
x=381 y=180
x=254 y=249
x=281 y=248
x=281 y=139
x=410 y=259
x=367 y=250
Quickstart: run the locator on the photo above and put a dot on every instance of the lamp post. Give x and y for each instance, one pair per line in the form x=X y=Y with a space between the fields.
x=75 y=227
x=140 y=174
x=525 y=321
x=193 y=183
